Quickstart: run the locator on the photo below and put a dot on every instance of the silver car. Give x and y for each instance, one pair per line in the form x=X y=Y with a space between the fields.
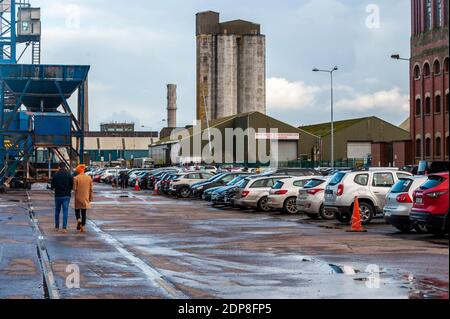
x=399 y=203
x=255 y=194
x=283 y=195
x=311 y=197
x=370 y=186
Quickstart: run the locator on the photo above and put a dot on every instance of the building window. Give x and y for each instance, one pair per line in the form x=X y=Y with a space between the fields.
x=447 y=101
x=428 y=147
x=428 y=15
x=437 y=67
x=446 y=64
x=205 y=79
x=438 y=14
x=418 y=107
x=416 y=72
x=437 y=104
x=438 y=147
x=448 y=146
x=428 y=105
x=426 y=69
x=418 y=147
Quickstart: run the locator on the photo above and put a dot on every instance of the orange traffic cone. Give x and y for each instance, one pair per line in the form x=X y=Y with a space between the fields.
x=356 y=219
x=136 y=186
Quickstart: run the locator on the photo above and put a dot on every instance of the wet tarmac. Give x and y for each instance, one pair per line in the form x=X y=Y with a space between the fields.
x=143 y=246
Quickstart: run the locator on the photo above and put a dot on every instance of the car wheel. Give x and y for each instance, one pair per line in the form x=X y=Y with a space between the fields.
x=290 y=206
x=312 y=216
x=263 y=205
x=343 y=217
x=185 y=192
x=404 y=228
x=420 y=229
x=366 y=211
x=326 y=214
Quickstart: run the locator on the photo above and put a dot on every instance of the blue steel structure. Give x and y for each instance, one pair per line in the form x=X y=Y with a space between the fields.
x=36 y=114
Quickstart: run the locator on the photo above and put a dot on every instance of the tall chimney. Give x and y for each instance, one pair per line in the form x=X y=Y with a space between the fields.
x=171 y=105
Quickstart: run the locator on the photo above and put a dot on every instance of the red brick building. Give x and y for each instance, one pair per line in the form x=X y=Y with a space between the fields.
x=429 y=80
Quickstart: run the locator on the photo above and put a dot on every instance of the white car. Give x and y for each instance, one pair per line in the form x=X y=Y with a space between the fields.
x=311 y=197
x=283 y=195
x=370 y=186
x=181 y=185
x=255 y=194
x=399 y=203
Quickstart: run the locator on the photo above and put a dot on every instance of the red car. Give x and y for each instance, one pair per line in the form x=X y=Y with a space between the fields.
x=431 y=206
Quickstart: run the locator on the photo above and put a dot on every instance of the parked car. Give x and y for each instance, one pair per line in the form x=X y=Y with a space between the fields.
x=283 y=195
x=217 y=181
x=217 y=194
x=399 y=203
x=431 y=204
x=370 y=186
x=311 y=197
x=181 y=186
x=256 y=192
x=293 y=172
x=109 y=175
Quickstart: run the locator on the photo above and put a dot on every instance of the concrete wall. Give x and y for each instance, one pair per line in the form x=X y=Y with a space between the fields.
x=252 y=74
x=206 y=66
x=227 y=81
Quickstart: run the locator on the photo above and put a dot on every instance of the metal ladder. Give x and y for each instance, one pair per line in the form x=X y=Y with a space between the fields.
x=36 y=52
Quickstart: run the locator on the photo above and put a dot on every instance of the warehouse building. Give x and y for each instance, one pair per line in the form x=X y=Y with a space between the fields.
x=285 y=143
x=370 y=137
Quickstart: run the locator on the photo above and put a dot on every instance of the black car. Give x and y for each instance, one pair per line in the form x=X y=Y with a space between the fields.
x=197 y=190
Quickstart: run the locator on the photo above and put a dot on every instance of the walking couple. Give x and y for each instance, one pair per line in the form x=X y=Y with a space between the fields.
x=63 y=183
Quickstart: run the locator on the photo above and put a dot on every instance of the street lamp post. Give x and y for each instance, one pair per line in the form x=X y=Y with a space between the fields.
x=332 y=110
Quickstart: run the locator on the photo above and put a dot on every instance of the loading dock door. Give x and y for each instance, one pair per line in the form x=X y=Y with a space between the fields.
x=358 y=150
x=287 y=151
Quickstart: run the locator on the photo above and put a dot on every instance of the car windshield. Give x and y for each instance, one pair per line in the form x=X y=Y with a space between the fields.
x=235 y=181
x=432 y=182
x=314 y=183
x=336 y=179
x=402 y=186
x=215 y=178
x=243 y=183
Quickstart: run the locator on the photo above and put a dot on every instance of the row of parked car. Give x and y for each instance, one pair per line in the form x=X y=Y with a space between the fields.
x=408 y=202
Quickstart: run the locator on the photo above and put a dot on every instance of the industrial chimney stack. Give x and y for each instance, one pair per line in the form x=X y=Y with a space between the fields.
x=171 y=106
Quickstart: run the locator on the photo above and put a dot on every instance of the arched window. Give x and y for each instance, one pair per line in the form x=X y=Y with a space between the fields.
x=447 y=101
x=426 y=69
x=446 y=64
x=428 y=147
x=438 y=147
x=417 y=72
x=428 y=15
x=428 y=105
x=447 y=150
x=418 y=107
x=437 y=104
x=418 y=147
x=437 y=67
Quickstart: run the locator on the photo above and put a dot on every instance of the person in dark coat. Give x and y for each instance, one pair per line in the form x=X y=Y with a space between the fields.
x=123 y=179
x=62 y=184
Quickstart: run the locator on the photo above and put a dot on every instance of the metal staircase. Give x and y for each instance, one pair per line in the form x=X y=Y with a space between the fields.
x=36 y=52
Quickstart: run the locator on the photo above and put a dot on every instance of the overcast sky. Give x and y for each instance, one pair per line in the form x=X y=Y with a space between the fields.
x=135 y=48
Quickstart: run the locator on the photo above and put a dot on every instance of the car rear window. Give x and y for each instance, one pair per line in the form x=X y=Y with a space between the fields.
x=336 y=179
x=314 y=183
x=432 y=182
x=278 y=185
x=402 y=186
x=300 y=183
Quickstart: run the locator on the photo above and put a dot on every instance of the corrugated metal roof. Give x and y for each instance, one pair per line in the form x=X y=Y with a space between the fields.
x=324 y=129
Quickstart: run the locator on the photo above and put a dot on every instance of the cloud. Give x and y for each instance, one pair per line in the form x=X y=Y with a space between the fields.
x=393 y=101
x=282 y=94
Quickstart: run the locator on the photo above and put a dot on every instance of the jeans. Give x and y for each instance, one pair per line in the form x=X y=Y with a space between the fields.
x=61 y=202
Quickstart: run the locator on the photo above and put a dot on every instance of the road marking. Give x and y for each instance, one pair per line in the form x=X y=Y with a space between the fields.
x=44 y=260
x=150 y=272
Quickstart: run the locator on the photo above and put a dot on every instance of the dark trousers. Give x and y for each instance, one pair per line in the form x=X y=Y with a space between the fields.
x=81 y=214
